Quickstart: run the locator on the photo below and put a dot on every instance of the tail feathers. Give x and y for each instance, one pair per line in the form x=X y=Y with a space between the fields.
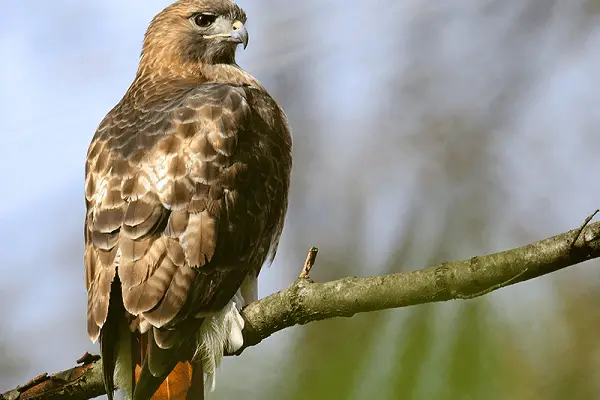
x=196 y=391
x=172 y=387
x=107 y=354
x=124 y=374
x=148 y=384
x=165 y=375
x=110 y=336
x=163 y=369
x=176 y=385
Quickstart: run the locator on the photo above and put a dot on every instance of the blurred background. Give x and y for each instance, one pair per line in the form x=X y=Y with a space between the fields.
x=424 y=131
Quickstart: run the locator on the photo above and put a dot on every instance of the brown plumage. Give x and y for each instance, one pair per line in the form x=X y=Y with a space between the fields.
x=186 y=192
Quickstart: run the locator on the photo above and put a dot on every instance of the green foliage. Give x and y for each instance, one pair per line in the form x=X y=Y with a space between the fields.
x=413 y=354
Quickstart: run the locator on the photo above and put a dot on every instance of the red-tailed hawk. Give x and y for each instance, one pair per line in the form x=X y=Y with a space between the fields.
x=186 y=191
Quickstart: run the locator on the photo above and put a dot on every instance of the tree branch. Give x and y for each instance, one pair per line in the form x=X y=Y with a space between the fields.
x=305 y=301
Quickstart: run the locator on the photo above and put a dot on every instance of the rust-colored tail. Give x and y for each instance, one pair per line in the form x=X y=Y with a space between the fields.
x=185 y=382
x=181 y=383
x=140 y=368
x=168 y=373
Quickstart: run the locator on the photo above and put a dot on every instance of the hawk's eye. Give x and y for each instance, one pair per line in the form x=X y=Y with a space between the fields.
x=204 y=20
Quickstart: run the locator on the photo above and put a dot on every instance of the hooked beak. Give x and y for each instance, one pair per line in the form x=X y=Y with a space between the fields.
x=239 y=34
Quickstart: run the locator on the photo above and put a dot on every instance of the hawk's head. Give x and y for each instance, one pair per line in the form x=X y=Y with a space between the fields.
x=195 y=31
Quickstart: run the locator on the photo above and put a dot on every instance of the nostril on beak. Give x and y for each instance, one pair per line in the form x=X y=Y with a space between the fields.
x=237 y=25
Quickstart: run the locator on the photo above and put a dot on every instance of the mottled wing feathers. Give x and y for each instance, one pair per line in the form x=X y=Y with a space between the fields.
x=181 y=186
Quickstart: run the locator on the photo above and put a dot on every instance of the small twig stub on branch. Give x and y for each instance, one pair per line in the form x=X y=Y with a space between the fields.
x=310 y=261
x=88 y=358
x=582 y=227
